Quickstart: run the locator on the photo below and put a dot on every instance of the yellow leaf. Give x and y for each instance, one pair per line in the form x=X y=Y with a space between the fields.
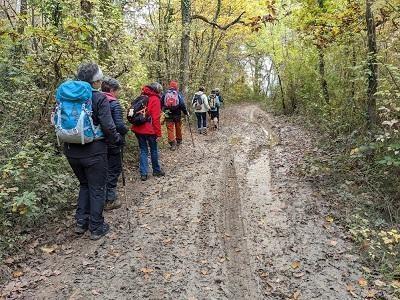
x=362 y=282
x=329 y=219
x=17 y=274
x=295 y=265
x=167 y=276
x=49 y=249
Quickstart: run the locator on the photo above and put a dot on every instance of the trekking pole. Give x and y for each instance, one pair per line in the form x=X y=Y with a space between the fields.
x=124 y=185
x=190 y=129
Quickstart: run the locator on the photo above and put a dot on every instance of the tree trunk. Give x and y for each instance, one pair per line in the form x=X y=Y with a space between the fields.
x=324 y=83
x=372 y=76
x=185 y=45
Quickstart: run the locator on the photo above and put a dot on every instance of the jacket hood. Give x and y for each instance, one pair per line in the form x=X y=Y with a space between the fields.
x=110 y=97
x=149 y=92
x=74 y=91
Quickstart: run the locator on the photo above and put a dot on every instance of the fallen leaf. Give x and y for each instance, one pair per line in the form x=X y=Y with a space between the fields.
x=329 y=219
x=96 y=293
x=298 y=275
x=371 y=293
x=49 y=249
x=295 y=265
x=362 y=282
x=351 y=290
x=264 y=274
x=17 y=274
x=167 y=276
x=379 y=283
x=296 y=295
x=395 y=284
x=204 y=272
x=367 y=270
x=146 y=270
x=333 y=243
x=57 y=272
x=167 y=241
x=137 y=249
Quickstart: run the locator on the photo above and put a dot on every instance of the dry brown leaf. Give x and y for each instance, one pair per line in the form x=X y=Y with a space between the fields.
x=167 y=241
x=296 y=295
x=57 y=272
x=329 y=219
x=298 y=275
x=264 y=274
x=350 y=289
x=146 y=270
x=362 y=282
x=167 y=276
x=204 y=272
x=395 y=284
x=295 y=265
x=137 y=249
x=17 y=274
x=48 y=249
x=379 y=283
x=333 y=243
x=372 y=293
x=96 y=293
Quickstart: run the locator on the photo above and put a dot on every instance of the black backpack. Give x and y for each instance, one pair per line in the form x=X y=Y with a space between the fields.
x=137 y=113
x=198 y=101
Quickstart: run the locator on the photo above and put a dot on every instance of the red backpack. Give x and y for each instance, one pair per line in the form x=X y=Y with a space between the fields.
x=171 y=100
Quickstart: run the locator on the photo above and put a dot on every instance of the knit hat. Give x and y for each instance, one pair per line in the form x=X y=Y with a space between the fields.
x=173 y=85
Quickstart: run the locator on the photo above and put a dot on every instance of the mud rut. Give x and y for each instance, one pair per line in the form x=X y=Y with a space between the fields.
x=232 y=220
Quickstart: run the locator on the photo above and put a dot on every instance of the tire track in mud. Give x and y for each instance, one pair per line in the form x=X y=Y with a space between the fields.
x=226 y=223
x=241 y=283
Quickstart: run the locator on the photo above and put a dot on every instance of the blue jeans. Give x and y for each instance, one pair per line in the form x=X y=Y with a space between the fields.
x=92 y=175
x=145 y=142
x=201 y=120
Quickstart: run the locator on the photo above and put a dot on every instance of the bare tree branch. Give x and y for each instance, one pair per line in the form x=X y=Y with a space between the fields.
x=214 y=24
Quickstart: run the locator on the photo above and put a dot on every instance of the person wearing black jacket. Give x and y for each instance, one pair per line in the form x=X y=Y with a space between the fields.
x=110 y=87
x=89 y=161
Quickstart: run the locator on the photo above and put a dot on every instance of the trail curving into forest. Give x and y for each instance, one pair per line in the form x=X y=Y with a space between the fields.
x=232 y=220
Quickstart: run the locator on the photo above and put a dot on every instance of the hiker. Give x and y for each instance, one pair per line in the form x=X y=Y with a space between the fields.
x=80 y=106
x=214 y=103
x=201 y=107
x=147 y=127
x=173 y=104
x=221 y=99
x=111 y=87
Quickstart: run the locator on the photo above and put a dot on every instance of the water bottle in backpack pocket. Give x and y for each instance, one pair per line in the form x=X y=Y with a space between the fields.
x=137 y=113
x=72 y=116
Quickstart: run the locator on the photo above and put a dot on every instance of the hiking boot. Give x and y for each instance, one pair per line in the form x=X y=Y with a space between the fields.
x=144 y=177
x=179 y=143
x=159 y=174
x=100 y=232
x=110 y=205
x=173 y=147
x=81 y=228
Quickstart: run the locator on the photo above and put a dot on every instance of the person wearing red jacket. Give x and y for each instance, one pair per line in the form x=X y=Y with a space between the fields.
x=149 y=133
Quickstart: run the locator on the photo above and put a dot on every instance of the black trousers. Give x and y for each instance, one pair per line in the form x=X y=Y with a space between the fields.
x=92 y=175
x=114 y=171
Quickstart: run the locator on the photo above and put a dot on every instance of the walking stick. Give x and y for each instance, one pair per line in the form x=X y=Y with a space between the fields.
x=124 y=185
x=190 y=129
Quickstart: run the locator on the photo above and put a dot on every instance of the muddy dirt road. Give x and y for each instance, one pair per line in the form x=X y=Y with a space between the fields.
x=232 y=220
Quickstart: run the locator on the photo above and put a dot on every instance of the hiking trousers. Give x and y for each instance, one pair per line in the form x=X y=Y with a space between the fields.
x=174 y=128
x=201 y=120
x=92 y=175
x=114 y=157
x=145 y=142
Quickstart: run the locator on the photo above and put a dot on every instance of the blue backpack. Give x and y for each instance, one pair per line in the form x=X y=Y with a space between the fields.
x=72 y=116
